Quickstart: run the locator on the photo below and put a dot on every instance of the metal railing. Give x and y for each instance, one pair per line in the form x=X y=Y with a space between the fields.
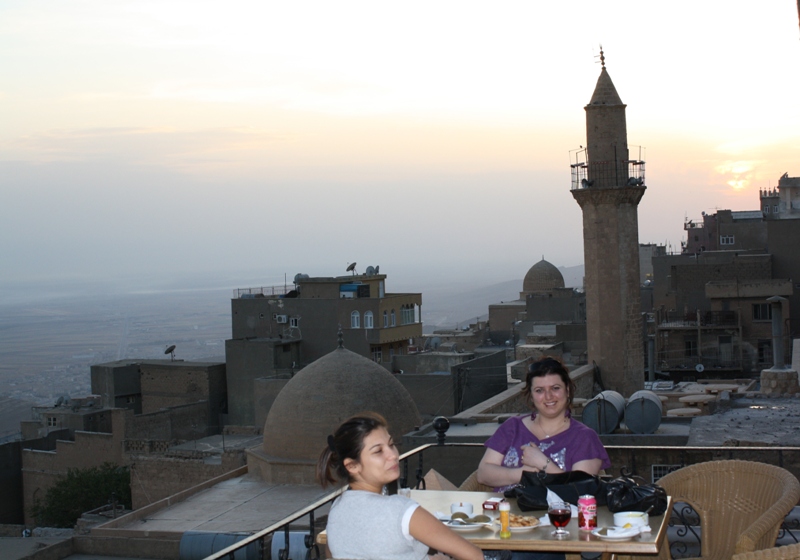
x=261 y=291
x=684 y=523
x=628 y=173
x=673 y=319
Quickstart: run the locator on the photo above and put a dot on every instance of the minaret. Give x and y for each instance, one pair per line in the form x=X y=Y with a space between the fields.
x=608 y=186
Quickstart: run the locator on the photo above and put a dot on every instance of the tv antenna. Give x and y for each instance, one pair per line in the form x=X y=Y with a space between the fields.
x=171 y=351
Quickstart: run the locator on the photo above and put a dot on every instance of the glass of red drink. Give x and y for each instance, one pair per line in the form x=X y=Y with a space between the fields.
x=559 y=514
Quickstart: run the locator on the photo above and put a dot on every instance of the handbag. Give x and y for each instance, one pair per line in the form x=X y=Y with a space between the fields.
x=626 y=493
x=531 y=493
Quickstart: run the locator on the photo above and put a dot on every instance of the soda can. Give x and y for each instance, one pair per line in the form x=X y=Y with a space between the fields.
x=587 y=513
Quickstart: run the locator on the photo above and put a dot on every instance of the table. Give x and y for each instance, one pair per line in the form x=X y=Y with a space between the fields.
x=539 y=539
x=715 y=388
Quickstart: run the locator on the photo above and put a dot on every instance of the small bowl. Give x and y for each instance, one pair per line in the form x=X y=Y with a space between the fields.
x=464 y=507
x=632 y=518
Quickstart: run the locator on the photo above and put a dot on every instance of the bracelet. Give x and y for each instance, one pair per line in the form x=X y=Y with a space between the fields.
x=544 y=469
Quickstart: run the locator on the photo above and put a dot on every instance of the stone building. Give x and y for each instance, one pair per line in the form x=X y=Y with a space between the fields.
x=176 y=402
x=608 y=185
x=544 y=304
x=710 y=301
x=277 y=331
x=712 y=317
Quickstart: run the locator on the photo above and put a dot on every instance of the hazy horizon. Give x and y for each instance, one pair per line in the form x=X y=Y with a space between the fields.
x=144 y=143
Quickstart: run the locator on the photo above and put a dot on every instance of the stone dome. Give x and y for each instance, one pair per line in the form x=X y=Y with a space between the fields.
x=541 y=278
x=324 y=394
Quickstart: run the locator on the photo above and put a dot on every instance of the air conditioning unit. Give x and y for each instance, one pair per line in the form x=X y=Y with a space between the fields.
x=281 y=318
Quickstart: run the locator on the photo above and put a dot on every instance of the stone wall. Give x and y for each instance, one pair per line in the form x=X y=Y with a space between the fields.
x=156 y=477
x=174 y=384
x=779 y=382
x=41 y=469
x=184 y=422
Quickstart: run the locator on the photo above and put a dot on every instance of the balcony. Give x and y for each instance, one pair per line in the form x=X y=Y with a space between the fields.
x=604 y=174
x=693 y=320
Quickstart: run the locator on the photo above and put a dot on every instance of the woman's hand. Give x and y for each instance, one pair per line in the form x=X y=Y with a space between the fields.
x=492 y=472
x=533 y=457
x=427 y=529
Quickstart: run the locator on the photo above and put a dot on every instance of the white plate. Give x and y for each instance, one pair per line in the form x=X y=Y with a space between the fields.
x=522 y=529
x=616 y=533
x=467 y=528
x=517 y=529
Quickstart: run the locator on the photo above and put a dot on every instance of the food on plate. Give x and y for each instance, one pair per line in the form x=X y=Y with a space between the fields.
x=515 y=520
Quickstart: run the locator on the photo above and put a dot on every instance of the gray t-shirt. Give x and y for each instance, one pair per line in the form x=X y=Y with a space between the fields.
x=371 y=526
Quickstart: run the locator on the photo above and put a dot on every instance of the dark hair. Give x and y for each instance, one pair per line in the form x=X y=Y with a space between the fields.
x=547 y=366
x=347 y=442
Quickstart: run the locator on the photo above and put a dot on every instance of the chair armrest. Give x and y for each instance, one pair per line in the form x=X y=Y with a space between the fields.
x=763 y=531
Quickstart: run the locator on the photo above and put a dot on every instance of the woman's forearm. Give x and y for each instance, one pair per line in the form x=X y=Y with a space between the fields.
x=496 y=475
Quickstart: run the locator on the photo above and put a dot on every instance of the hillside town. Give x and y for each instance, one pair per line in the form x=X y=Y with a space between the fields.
x=701 y=341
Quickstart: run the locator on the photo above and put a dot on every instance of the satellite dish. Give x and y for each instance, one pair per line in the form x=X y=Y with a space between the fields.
x=377 y=269
x=370 y=271
x=171 y=351
x=699 y=368
x=351 y=268
x=60 y=401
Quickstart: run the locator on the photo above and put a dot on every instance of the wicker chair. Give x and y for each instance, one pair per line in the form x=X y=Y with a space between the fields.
x=791 y=552
x=741 y=504
x=471 y=484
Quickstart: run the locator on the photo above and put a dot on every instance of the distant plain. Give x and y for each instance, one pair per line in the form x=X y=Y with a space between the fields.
x=49 y=341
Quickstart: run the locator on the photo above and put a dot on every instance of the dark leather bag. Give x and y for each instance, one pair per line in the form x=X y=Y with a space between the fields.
x=531 y=494
x=629 y=493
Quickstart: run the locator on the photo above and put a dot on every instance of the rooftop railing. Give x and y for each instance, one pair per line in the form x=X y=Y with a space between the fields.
x=684 y=535
x=261 y=291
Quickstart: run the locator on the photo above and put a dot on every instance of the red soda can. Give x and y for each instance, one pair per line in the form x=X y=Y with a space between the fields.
x=587 y=513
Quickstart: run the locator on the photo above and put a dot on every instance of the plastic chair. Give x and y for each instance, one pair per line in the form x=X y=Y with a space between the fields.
x=741 y=504
x=790 y=552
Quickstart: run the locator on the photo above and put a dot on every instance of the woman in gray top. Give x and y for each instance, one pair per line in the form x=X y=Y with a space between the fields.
x=363 y=523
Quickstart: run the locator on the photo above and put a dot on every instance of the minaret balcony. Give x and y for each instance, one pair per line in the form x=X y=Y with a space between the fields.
x=607 y=174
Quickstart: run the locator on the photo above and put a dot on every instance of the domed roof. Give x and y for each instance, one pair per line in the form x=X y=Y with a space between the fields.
x=324 y=394
x=542 y=277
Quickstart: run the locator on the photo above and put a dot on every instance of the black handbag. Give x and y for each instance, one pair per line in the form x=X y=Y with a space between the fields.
x=531 y=494
x=626 y=493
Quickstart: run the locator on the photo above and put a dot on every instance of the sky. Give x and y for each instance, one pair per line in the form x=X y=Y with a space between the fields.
x=246 y=141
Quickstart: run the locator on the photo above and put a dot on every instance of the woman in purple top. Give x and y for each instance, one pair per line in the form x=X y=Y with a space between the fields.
x=547 y=439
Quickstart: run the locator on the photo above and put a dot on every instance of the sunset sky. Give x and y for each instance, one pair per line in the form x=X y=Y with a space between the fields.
x=246 y=140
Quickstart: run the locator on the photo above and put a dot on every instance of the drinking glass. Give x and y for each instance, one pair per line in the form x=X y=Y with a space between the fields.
x=559 y=514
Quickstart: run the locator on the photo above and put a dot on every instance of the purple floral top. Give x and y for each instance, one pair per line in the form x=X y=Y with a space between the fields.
x=576 y=443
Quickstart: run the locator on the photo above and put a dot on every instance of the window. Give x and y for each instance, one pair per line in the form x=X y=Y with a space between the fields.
x=767 y=208
x=368 y=320
x=762 y=312
x=355 y=320
x=294 y=322
x=775 y=209
x=130 y=400
x=394 y=319
x=407 y=317
x=726 y=240
x=765 y=351
x=52 y=421
x=377 y=354
x=385 y=319
x=690 y=347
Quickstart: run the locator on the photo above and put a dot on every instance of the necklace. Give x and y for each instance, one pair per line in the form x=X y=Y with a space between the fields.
x=557 y=430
